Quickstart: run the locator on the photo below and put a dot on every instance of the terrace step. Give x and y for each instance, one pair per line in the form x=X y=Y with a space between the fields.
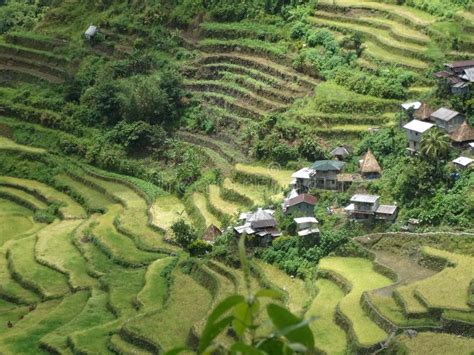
x=264 y=65
x=6 y=72
x=223 y=206
x=398 y=31
x=25 y=269
x=54 y=248
x=230 y=103
x=121 y=346
x=199 y=200
x=25 y=336
x=155 y=292
x=94 y=340
x=94 y=313
x=381 y=37
x=23 y=198
x=252 y=99
x=33 y=54
x=374 y=53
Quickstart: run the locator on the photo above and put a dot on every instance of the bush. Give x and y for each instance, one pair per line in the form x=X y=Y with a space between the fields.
x=184 y=234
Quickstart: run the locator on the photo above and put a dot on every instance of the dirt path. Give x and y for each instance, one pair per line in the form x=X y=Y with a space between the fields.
x=407 y=270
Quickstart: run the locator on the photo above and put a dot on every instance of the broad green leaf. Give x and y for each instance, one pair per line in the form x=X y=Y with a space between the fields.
x=242 y=318
x=293 y=328
x=269 y=293
x=272 y=346
x=211 y=332
x=241 y=348
x=212 y=329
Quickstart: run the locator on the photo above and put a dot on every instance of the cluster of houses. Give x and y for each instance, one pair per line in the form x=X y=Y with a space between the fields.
x=451 y=122
x=330 y=174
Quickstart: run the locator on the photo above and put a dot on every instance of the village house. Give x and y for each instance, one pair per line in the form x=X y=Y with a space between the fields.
x=301 y=180
x=458 y=75
x=91 y=32
x=417 y=110
x=463 y=162
x=326 y=172
x=339 y=153
x=261 y=224
x=211 y=234
x=415 y=129
x=369 y=166
x=300 y=205
x=306 y=226
x=463 y=135
x=368 y=207
x=446 y=119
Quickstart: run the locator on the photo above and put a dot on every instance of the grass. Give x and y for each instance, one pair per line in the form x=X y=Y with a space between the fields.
x=222 y=205
x=118 y=247
x=94 y=313
x=392 y=311
x=275 y=50
x=22 y=197
x=25 y=335
x=411 y=305
x=155 y=291
x=257 y=193
x=9 y=288
x=54 y=248
x=373 y=50
x=447 y=289
x=94 y=199
x=119 y=346
x=437 y=344
x=200 y=201
x=134 y=218
x=328 y=336
x=8 y=144
x=281 y=176
x=123 y=286
x=94 y=340
x=44 y=280
x=169 y=328
x=166 y=210
x=298 y=296
x=15 y=221
x=361 y=276
x=71 y=208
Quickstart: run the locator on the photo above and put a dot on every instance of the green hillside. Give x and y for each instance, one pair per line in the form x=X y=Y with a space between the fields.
x=119 y=151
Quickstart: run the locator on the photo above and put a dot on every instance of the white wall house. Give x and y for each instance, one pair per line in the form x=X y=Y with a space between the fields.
x=415 y=130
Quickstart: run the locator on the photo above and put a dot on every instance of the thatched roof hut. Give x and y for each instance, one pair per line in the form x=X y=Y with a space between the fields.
x=369 y=166
x=464 y=133
x=211 y=233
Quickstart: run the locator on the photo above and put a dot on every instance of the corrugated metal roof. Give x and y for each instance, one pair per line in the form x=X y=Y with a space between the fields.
x=463 y=161
x=414 y=105
x=418 y=126
x=339 y=151
x=304 y=173
x=328 y=165
x=444 y=114
x=301 y=220
x=386 y=209
x=365 y=198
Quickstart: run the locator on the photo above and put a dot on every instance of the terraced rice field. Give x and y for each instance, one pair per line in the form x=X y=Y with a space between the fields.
x=447 y=289
x=166 y=210
x=329 y=336
x=8 y=144
x=280 y=176
x=359 y=275
x=436 y=344
x=199 y=201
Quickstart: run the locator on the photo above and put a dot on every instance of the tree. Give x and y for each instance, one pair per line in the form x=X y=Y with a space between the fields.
x=183 y=233
x=435 y=145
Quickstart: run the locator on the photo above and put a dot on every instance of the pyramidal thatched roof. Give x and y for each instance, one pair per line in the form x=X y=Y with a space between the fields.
x=370 y=164
x=211 y=233
x=423 y=113
x=464 y=133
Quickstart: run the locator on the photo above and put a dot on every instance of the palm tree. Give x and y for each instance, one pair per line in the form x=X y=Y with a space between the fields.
x=434 y=145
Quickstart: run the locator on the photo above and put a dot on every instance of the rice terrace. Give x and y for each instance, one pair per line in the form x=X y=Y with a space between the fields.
x=237 y=177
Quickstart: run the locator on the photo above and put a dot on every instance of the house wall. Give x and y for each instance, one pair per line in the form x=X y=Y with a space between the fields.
x=301 y=209
x=450 y=126
x=325 y=180
x=360 y=207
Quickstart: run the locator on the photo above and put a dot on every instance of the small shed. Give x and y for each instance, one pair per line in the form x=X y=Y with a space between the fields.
x=463 y=162
x=369 y=166
x=91 y=32
x=211 y=234
x=339 y=152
